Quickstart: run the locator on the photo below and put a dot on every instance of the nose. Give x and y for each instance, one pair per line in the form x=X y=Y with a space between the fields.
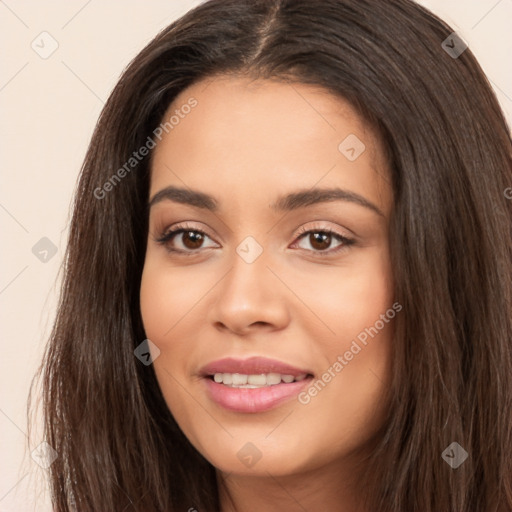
x=249 y=298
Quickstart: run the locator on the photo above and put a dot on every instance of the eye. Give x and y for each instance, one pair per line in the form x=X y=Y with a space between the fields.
x=184 y=239
x=320 y=240
x=188 y=240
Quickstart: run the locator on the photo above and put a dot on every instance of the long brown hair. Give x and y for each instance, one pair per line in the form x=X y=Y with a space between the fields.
x=449 y=149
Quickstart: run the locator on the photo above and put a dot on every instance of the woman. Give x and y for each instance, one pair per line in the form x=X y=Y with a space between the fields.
x=288 y=281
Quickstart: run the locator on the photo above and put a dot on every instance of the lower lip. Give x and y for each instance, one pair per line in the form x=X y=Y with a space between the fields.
x=253 y=399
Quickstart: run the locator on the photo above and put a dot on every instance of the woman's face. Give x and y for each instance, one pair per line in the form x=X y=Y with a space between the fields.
x=281 y=273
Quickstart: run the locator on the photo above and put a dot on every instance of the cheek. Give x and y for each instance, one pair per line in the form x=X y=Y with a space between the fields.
x=351 y=299
x=155 y=302
x=166 y=296
x=356 y=305
x=152 y=305
x=172 y=303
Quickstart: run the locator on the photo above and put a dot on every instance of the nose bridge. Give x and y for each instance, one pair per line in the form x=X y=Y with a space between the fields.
x=249 y=276
x=249 y=293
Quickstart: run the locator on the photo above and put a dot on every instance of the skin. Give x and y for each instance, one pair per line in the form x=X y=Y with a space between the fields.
x=246 y=143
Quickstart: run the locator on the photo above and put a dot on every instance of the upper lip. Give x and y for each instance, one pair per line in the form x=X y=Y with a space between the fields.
x=251 y=366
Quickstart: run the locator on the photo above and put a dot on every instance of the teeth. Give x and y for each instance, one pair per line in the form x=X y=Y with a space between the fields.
x=273 y=378
x=257 y=380
x=240 y=380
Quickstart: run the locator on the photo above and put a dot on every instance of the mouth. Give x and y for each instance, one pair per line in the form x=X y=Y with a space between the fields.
x=253 y=385
x=255 y=381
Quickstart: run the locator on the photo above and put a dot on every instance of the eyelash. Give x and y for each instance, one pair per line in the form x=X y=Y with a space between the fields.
x=167 y=236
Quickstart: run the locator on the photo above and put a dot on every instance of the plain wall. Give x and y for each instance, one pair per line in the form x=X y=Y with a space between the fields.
x=49 y=108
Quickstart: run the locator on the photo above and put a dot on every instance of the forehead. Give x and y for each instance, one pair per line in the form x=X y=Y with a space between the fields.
x=252 y=137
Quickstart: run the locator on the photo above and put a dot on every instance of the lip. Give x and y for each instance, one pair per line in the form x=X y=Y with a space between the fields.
x=251 y=366
x=247 y=400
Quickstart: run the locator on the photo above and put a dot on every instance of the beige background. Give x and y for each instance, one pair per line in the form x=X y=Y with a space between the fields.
x=49 y=107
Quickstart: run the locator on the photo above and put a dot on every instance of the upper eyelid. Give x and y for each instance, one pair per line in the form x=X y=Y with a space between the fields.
x=180 y=228
x=299 y=231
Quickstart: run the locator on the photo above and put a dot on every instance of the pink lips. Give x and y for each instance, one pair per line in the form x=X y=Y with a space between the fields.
x=257 y=399
x=251 y=366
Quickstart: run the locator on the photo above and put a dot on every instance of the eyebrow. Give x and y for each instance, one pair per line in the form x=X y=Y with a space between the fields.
x=288 y=202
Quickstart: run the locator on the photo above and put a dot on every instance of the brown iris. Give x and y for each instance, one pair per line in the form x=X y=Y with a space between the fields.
x=196 y=239
x=320 y=241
